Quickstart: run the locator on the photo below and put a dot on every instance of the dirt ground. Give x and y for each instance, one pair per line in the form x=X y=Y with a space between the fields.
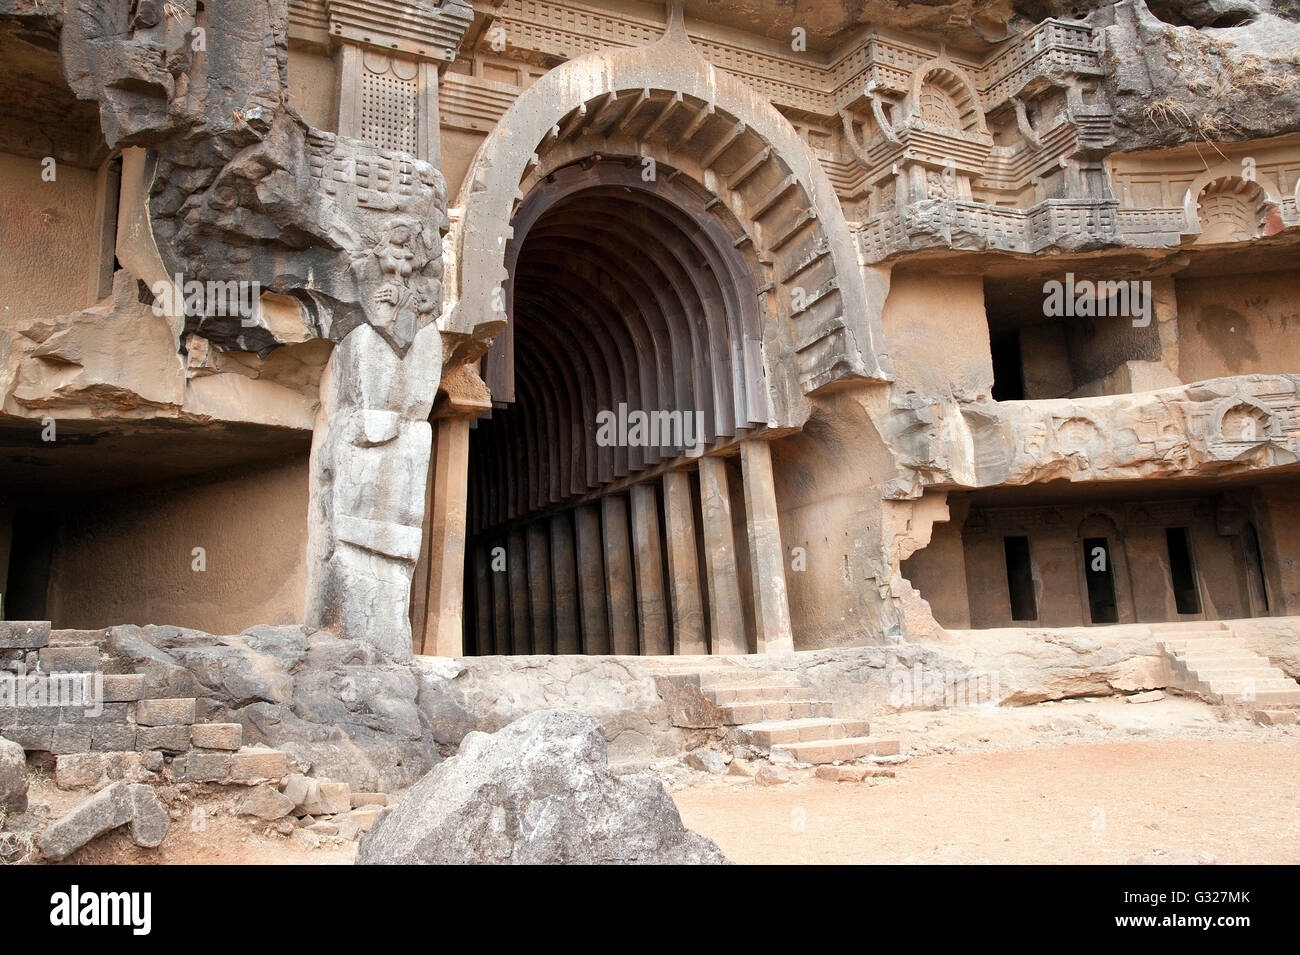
x=1085 y=782
x=205 y=830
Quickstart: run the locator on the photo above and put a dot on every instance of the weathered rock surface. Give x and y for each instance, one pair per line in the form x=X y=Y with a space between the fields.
x=344 y=713
x=118 y=805
x=539 y=791
x=457 y=696
x=13 y=777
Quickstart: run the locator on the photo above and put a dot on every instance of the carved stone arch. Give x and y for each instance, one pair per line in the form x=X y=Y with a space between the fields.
x=942 y=77
x=1234 y=209
x=1234 y=415
x=1099 y=522
x=666 y=103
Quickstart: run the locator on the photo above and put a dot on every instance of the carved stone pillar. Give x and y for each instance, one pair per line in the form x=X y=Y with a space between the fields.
x=369 y=464
x=443 y=560
x=651 y=605
x=683 y=568
x=539 y=587
x=766 y=555
x=564 y=589
x=517 y=574
x=591 y=580
x=618 y=575
x=725 y=616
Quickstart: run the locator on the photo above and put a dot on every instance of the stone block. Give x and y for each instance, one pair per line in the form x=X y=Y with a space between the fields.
x=369 y=799
x=93 y=770
x=207 y=767
x=335 y=797
x=110 y=736
x=31 y=738
x=296 y=787
x=264 y=802
x=224 y=736
x=108 y=713
x=24 y=634
x=117 y=805
x=13 y=777
x=123 y=687
x=165 y=712
x=255 y=765
x=169 y=739
x=69 y=659
x=33 y=716
x=71 y=739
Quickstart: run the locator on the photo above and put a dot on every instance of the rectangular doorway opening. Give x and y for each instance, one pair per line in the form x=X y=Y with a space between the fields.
x=1100 y=574
x=1020 y=579
x=1187 y=597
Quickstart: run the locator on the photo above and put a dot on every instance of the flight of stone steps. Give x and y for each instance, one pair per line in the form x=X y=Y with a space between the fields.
x=773 y=711
x=1212 y=662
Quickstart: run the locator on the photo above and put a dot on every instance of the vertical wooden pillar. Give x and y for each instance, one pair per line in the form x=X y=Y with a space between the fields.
x=445 y=522
x=591 y=580
x=683 y=568
x=564 y=585
x=727 y=622
x=652 y=609
x=618 y=575
x=517 y=573
x=539 y=588
x=767 y=556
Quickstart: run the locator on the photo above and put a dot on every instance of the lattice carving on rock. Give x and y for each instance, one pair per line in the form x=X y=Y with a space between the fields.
x=390 y=93
x=390 y=101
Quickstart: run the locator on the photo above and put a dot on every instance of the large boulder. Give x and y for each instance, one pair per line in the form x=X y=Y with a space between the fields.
x=13 y=777
x=538 y=791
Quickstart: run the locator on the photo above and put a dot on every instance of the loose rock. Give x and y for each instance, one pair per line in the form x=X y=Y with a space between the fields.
x=537 y=791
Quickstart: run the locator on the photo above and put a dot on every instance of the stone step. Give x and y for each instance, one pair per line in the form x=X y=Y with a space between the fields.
x=1201 y=644
x=1187 y=626
x=1227 y=682
x=757 y=693
x=741 y=713
x=766 y=734
x=1269 y=698
x=838 y=750
x=1257 y=673
x=1219 y=659
x=734 y=677
x=24 y=634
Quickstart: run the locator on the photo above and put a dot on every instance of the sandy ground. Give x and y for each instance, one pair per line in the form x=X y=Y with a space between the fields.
x=1096 y=782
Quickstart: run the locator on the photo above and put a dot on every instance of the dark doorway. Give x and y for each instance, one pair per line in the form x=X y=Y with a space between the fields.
x=1187 y=597
x=1099 y=571
x=29 y=566
x=1255 y=569
x=1020 y=579
x=1008 y=367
